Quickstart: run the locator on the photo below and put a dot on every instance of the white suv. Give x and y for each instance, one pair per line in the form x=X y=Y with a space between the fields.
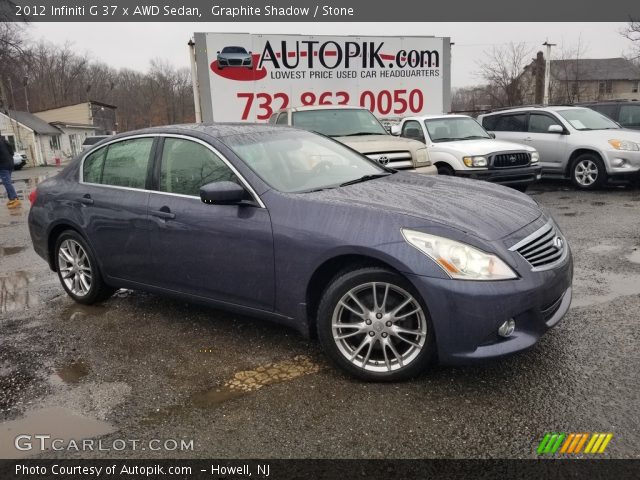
x=458 y=145
x=573 y=142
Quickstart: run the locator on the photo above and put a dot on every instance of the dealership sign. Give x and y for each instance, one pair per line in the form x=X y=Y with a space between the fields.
x=244 y=77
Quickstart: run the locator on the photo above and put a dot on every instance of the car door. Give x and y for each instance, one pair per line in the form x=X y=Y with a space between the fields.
x=509 y=126
x=413 y=129
x=552 y=147
x=220 y=252
x=112 y=200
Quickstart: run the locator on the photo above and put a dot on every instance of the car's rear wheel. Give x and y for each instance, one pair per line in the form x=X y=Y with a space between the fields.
x=78 y=270
x=444 y=169
x=588 y=172
x=373 y=324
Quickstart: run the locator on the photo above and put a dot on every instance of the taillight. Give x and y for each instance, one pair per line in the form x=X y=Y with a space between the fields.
x=33 y=195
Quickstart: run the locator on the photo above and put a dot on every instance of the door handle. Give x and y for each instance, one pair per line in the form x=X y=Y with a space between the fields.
x=164 y=212
x=86 y=200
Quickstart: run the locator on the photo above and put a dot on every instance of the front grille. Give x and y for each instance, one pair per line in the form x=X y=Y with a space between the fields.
x=234 y=61
x=509 y=160
x=397 y=160
x=543 y=248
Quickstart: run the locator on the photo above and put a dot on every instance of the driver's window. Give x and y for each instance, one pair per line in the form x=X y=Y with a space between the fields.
x=413 y=130
x=186 y=166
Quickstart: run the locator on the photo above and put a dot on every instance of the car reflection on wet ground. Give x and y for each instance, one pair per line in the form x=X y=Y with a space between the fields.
x=143 y=366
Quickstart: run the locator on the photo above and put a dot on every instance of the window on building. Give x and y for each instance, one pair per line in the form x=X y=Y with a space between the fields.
x=54 y=142
x=636 y=88
x=605 y=87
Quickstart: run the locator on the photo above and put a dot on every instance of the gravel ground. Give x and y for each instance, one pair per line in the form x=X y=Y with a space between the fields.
x=146 y=367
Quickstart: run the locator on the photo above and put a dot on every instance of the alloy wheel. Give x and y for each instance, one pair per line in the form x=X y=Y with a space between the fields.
x=379 y=327
x=75 y=267
x=586 y=172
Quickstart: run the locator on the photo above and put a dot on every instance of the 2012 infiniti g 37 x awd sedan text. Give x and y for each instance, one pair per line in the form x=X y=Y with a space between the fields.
x=391 y=270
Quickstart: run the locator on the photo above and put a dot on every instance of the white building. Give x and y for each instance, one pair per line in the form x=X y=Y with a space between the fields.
x=32 y=136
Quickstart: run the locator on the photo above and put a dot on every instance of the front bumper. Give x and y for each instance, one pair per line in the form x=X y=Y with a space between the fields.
x=505 y=176
x=466 y=315
x=622 y=163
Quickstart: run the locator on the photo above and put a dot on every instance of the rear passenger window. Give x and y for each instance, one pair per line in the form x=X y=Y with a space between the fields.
x=92 y=167
x=126 y=163
x=541 y=123
x=511 y=123
x=187 y=166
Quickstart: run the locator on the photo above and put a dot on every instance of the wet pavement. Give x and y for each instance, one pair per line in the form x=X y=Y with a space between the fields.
x=145 y=367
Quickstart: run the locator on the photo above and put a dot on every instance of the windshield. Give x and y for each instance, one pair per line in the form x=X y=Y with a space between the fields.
x=233 y=50
x=455 y=128
x=587 y=119
x=339 y=122
x=293 y=161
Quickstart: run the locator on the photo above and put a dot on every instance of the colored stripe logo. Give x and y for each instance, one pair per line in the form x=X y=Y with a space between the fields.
x=572 y=443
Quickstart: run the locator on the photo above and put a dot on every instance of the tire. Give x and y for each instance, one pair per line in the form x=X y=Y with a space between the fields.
x=370 y=347
x=444 y=169
x=588 y=172
x=78 y=269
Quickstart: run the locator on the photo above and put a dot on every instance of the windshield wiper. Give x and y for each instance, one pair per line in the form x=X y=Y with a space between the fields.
x=359 y=133
x=472 y=136
x=365 y=178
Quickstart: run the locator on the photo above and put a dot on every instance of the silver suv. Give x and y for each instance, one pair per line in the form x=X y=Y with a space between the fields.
x=573 y=142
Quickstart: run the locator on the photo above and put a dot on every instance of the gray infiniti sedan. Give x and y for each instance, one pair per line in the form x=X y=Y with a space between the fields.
x=391 y=271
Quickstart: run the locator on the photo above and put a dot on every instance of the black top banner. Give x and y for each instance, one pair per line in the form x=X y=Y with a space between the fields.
x=318 y=11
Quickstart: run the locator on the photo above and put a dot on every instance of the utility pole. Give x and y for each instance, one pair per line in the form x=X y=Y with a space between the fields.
x=547 y=71
x=25 y=83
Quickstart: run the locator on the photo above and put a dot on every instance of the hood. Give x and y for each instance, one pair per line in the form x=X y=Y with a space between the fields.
x=235 y=56
x=606 y=135
x=380 y=143
x=480 y=147
x=483 y=209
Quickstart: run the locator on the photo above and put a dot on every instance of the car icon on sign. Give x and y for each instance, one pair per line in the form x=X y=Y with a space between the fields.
x=234 y=57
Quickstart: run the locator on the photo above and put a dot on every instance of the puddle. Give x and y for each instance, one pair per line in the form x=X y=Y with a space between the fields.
x=56 y=422
x=604 y=248
x=634 y=256
x=6 y=251
x=251 y=380
x=245 y=382
x=77 y=311
x=71 y=373
x=15 y=292
x=618 y=285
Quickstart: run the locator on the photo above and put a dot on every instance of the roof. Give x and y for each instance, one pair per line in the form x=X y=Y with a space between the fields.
x=527 y=108
x=94 y=102
x=36 y=124
x=442 y=115
x=217 y=130
x=595 y=69
x=322 y=107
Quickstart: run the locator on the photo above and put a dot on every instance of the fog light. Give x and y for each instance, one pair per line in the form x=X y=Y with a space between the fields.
x=619 y=162
x=507 y=328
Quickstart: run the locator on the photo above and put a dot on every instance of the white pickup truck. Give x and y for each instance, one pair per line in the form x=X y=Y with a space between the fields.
x=359 y=129
x=458 y=145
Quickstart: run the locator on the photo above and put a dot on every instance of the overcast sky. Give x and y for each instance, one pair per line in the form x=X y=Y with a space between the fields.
x=133 y=45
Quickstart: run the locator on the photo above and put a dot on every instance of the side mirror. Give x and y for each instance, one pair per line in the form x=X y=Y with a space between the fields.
x=218 y=52
x=492 y=135
x=396 y=130
x=222 y=193
x=555 y=129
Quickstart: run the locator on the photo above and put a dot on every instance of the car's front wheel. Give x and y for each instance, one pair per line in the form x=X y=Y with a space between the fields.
x=444 y=169
x=588 y=172
x=373 y=324
x=78 y=270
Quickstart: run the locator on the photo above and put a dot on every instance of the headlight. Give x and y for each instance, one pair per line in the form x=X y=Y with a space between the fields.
x=535 y=157
x=475 y=161
x=459 y=260
x=624 y=145
x=421 y=155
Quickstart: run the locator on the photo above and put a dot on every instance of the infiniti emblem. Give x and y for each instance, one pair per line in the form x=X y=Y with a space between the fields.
x=558 y=243
x=383 y=160
x=512 y=158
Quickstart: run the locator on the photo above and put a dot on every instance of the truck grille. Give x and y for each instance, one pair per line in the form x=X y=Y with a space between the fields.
x=397 y=160
x=509 y=160
x=543 y=248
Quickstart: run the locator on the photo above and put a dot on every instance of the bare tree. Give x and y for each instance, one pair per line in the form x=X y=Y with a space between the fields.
x=632 y=32
x=503 y=72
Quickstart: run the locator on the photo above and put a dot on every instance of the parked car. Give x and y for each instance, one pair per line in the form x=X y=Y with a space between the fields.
x=19 y=160
x=625 y=112
x=292 y=226
x=92 y=140
x=234 y=57
x=359 y=129
x=458 y=145
x=574 y=142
